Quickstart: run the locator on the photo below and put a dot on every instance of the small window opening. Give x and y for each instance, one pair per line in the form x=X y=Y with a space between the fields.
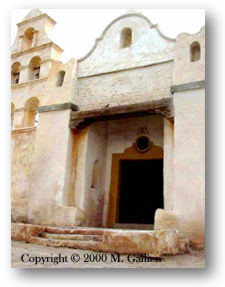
x=126 y=38
x=34 y=67
x=28 y=39
x=30 y=113
x=195 y=51
x=60 y=78
x=15 y=73
x=143 y=144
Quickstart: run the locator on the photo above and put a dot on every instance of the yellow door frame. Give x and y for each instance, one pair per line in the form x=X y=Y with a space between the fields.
x=155 y=152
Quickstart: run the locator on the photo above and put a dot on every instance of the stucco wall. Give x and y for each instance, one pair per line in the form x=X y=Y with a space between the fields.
x=185 y=70
x=80 y=140
x=22 y=150
x=126 y=87
x=49 y=160
x=94 y=197
x=66 y=93
x=148 y=46
x=189 y=153
x=188 y=214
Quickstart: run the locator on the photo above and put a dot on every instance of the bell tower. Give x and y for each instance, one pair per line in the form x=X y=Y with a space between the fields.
x=33 y=51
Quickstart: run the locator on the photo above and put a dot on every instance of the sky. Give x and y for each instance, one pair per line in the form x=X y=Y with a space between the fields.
x=77 y=29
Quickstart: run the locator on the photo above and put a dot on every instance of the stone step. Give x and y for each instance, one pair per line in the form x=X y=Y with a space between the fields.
x=123 y=241
x=66 y=236
x=79 y=244
x=84 y=231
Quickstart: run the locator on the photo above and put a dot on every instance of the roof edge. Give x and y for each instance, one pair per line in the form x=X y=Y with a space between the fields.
x=36 y=18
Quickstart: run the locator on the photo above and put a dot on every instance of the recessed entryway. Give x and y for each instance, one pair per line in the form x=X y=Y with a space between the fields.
x=140 y=191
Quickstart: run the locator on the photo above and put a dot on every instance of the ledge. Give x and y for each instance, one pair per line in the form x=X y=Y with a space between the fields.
x=188 y=86
x=57 y=107
x=23 y=130
x=33 y=49
x=35 y=81
x=163 y=106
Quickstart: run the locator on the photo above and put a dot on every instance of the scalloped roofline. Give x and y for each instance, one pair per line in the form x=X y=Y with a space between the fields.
x=188 y=34
x=119 y=18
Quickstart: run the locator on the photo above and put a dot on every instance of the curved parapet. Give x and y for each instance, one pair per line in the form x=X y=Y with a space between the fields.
x=146 y=46
x=189 y=63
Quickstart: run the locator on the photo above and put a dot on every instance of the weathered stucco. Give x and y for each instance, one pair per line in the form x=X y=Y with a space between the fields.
x=186 y=71
x=189 y=167
x=93 y=200
x=49 y=190
x=148 y=47
x=126 y=87
x=22 y=150
x=62 y=161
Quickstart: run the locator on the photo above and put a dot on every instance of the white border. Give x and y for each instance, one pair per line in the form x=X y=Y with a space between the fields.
x=213 y=275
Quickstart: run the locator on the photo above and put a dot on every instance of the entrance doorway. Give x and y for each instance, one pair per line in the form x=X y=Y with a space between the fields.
x=140 y=191
x=136 y=188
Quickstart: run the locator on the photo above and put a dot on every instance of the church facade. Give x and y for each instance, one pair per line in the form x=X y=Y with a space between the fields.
x=112 y=140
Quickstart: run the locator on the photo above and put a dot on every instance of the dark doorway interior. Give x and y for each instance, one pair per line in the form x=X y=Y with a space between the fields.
x=141 y=190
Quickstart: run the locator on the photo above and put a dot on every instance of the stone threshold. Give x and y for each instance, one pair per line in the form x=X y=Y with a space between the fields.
x=122 y=241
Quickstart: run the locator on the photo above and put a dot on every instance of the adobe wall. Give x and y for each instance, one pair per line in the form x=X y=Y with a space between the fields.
x=149 y=46
x=49 y=201
x=186 y=71
x=189 y=155
x=126 y=87
x=189 y=161
x=21 y=166
x=188 y=204
x=110 y=75
x=93 y=202
x=188 y=212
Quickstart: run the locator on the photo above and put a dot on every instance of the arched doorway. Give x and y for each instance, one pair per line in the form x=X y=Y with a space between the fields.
x=136 y=189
